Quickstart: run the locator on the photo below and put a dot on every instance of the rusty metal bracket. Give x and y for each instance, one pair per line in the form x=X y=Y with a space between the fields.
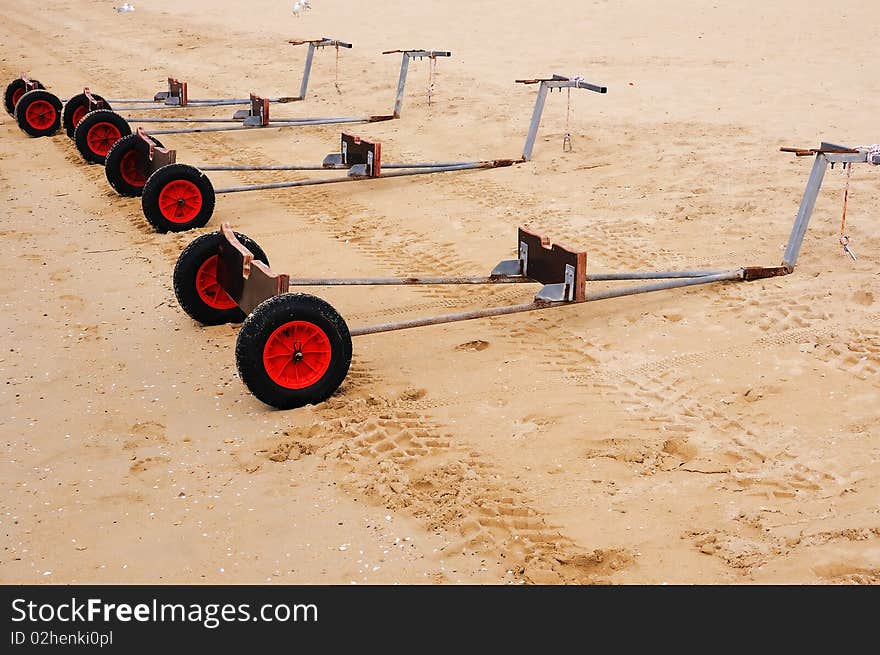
x=806 y=152
x=750 y=273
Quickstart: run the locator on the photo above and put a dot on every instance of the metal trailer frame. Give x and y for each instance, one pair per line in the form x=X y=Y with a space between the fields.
x=560 y=270
x=98 y=131
x=43 y=113
x=176 y=96
x=257 y=115
x=361 y=164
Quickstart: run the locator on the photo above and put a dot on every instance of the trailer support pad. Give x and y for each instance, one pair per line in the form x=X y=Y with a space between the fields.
x=247 y=281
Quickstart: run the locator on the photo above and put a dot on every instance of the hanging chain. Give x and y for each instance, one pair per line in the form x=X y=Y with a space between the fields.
x=432 y=75
x=566 y=140
x=336 y=81
x=844 y=239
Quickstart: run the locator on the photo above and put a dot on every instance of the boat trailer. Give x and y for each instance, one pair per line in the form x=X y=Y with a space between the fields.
x=42 y=114
x=99 y=130
x=178 y=197
x=295 y=349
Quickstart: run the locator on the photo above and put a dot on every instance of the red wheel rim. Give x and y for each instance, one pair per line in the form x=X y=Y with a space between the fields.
x=40 y=114
x=16 y=96
x=209 y=289
x=101 y=138
x=180 y=201
x=297 y=355
x=78 y=114
x=132 y=169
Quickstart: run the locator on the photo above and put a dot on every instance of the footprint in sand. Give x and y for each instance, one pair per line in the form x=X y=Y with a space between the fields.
x=141 y=465
x=473 y=346
x=144 y=433
x=863 y=297
x=71 y=303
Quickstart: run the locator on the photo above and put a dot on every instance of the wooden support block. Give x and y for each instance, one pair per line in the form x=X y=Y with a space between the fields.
x=545 y=262
x=94 y=103
x=155 y=157
x=247 y=281
x=360 y=152
x=177 y=89
x=258 y=114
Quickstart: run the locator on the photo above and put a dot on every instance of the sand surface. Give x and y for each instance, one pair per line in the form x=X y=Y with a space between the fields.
x=721 y=434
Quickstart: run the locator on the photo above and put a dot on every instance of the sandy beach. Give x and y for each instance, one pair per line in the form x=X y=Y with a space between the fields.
x=723 y=434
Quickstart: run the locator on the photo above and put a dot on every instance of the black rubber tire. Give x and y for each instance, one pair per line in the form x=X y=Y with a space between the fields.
x=259 y=326
x=72 y=105
x=113 y=165
x=29 y=98
x=14 y=86
x=162 y=178
x=186 y=270
x=88 y=123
